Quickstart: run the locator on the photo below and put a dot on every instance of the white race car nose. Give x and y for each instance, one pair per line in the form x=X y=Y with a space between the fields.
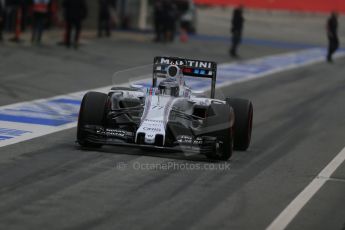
x=151 y=131
x=153 y=121
x=150 y=138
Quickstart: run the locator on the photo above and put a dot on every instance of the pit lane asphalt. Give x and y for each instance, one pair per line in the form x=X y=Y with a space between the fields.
x=49 y=182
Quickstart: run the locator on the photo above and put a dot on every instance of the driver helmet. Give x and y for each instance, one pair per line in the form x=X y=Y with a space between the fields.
x=169 y=87
x=174 y=71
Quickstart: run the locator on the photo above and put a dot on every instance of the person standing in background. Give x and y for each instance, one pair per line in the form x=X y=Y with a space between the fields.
x=25 y=5
x=158 y=20
x=170 y=19
x=75 y=12
x=332 y=34
x=104 y=17
x=40 y=10
x=2 y=18
x=236 y=30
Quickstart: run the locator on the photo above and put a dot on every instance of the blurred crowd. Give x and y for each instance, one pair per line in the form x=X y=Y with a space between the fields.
x=169 y=18
x=16 y=16
x=165 y=13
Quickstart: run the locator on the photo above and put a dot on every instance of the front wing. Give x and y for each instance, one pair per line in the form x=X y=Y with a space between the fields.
x=119 y=137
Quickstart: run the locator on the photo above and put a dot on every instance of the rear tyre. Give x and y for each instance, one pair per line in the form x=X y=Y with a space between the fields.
x=91 y=112
x=219 y=123
x=243 y=122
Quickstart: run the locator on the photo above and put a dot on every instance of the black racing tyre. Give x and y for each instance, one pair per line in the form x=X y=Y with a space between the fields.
x=91 y=112
x=243 y=122
x=218 y=122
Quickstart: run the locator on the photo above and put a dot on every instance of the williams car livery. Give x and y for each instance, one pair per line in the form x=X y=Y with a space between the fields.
x=168 y=115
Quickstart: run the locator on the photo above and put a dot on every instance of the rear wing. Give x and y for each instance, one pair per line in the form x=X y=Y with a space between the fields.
x=190 y=68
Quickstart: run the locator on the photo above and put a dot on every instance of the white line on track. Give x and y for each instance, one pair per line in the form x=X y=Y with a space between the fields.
x=291 y=211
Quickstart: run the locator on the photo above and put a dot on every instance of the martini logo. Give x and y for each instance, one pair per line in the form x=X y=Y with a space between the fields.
x=199 y=64
x=168 y=61
x=188 y=63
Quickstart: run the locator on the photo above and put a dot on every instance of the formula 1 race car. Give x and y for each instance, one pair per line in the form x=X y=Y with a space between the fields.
x=168 y=115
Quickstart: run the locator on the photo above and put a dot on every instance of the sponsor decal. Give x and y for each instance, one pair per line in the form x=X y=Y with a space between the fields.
x=115 y=133
x=150 y=135
x=157 y=107
x=153 y=121
x=152 y=129
x=199 y=64
x=187 y=63
x=152 y=91
x=184 y=139
x=168 y=61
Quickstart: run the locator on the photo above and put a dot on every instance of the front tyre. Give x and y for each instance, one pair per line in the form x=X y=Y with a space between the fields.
x=91 y=112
